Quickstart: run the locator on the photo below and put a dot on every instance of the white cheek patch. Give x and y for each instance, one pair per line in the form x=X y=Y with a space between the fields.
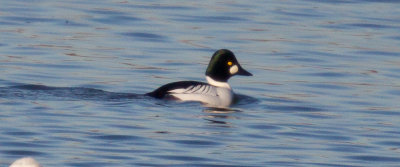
x=234 y=69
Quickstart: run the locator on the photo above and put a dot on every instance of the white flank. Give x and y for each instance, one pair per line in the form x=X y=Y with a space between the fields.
x=217 y=84
x=234 y=69
x=25 y=162
x=216 y=96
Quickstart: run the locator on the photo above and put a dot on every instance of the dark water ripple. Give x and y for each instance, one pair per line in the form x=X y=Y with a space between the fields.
x=169 y=7
x=145 y=36
x=195 y=143
x=328 y=86
x=379 y=53
x=331 y=74
x=116 y=137
x=41 y=92
x=88 y=164
x=350 y=148
x=23 y=153
x=208 y=19
x=126 y=20
x=375 y=158
x=30 y=19
x=294 y=108
x=390 y=143
x=335 y=137
x=27 y=145
x=181 y=158
x=19 y=133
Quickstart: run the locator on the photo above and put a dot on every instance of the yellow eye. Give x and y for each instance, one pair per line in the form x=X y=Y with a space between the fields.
x=229 y=63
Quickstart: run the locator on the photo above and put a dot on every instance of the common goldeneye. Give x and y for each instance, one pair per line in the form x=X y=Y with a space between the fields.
x=217 y=92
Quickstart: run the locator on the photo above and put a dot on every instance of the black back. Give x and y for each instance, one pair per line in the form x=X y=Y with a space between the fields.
x=162 y=91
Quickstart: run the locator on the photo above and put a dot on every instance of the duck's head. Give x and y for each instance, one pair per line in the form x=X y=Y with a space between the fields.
x=224 y=65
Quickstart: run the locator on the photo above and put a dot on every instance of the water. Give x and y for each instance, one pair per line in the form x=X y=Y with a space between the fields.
x=325 y=88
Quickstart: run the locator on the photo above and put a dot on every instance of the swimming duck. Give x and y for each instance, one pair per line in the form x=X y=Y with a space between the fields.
x=216 y=92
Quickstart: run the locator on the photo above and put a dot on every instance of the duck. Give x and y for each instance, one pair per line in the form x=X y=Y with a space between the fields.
x=216 y=92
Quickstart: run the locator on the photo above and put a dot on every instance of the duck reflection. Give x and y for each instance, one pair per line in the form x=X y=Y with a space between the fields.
x=220 y=116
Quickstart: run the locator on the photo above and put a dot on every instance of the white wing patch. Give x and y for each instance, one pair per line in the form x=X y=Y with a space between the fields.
x=205 y=90
x=207 y=94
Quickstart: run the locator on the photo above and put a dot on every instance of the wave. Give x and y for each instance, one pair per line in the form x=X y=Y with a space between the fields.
x=41 y=92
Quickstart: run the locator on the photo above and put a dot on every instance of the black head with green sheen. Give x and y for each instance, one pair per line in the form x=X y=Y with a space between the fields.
x=223 y=65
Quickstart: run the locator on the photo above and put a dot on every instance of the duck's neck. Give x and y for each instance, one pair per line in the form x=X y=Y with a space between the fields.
x=217 y=83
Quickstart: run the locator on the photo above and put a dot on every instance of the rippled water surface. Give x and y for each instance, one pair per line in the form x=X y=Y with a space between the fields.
x=325 y=90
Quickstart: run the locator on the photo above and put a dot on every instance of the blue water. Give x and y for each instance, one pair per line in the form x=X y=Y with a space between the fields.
x=325 y=90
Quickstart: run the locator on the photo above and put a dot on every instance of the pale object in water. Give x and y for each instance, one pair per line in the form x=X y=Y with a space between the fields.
x=25 y=162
